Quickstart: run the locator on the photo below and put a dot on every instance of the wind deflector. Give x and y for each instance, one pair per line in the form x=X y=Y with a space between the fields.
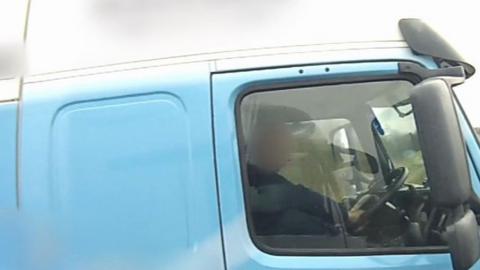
x=423 y=40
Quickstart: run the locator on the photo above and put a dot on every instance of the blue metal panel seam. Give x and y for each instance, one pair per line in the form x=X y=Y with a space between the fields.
x=215 y=165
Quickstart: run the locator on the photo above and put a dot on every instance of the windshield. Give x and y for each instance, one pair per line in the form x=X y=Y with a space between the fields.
x=398 y=133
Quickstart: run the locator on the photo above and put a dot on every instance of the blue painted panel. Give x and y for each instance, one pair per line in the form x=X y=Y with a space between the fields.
x=118 y=172
x=8 y=142
x=123 y=161
x=241 y=253
x=473 y=151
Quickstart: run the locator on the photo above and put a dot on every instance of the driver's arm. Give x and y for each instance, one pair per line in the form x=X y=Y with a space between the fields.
x=317 y=204
x=285 y=195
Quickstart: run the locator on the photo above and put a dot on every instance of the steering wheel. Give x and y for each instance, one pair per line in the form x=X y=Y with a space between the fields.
x=398 y=178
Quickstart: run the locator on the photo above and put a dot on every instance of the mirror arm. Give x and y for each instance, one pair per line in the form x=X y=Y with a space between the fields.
x=474 y=203
x=452 y=75
x=462 y=236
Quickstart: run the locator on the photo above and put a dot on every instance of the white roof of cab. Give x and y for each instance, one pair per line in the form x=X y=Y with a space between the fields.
x=66 y=35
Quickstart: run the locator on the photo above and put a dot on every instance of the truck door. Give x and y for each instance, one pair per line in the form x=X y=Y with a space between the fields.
x=319 y=167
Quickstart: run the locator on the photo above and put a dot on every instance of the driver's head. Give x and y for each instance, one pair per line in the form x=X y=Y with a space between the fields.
x=271 y=146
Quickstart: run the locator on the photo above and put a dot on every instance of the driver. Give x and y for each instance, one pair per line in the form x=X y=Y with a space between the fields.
x=279 y=206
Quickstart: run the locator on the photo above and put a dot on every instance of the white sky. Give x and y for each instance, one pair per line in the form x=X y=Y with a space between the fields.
x=457 y=21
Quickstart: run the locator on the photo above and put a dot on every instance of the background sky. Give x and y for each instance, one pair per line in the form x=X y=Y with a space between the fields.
x=457 y=21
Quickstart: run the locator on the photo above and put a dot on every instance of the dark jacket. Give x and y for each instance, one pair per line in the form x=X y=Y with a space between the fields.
x=281 y=207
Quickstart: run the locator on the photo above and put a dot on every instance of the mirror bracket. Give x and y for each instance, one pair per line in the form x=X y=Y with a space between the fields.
x=423 y=40
x=453 y=75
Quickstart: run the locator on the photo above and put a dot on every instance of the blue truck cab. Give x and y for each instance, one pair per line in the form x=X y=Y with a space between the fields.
x=350 y=155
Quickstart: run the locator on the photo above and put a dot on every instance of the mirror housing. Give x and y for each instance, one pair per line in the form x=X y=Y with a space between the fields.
x=446 y=164
x=442 y=143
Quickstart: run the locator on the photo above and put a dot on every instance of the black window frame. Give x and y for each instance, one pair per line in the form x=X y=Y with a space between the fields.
x=297 y=83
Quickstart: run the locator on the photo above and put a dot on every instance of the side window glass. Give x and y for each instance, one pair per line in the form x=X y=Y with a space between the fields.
x=341 y=143
x=326 y=168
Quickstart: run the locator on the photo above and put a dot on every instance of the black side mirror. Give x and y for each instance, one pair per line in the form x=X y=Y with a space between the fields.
x=446 y=164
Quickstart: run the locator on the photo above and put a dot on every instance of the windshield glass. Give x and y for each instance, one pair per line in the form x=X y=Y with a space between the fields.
x=398 y=134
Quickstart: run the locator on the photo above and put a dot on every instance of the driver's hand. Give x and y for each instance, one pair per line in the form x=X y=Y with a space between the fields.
x=355 y=214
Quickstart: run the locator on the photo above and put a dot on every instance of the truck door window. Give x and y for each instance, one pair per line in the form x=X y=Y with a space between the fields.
x=335 y=167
